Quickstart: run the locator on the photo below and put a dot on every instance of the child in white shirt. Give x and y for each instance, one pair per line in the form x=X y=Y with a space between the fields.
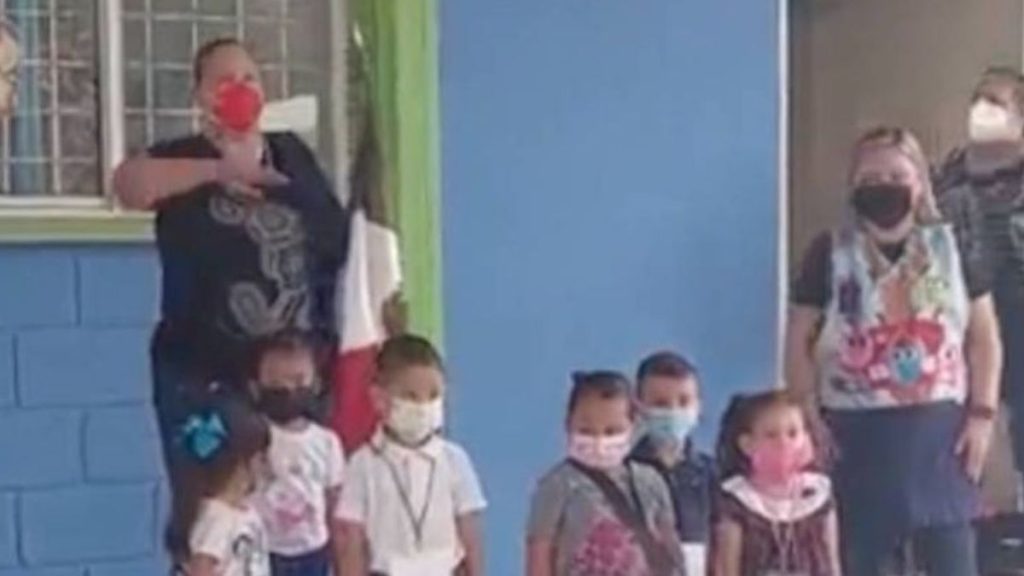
x=305 y=461
x=225 y=448
x=412 y=500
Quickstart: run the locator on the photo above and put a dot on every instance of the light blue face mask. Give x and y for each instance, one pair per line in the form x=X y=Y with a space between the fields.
x=670 y=424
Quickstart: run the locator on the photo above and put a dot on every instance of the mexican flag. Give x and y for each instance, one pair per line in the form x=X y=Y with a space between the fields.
x=369 y=287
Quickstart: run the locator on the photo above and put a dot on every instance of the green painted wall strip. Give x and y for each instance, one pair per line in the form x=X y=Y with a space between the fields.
x=402 y=47
x=98 y=227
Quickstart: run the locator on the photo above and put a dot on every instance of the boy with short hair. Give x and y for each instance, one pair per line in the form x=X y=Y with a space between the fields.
x=668 y=393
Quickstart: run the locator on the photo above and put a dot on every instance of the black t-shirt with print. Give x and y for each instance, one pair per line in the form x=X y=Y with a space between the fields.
x=236 y=269
x=813 y=283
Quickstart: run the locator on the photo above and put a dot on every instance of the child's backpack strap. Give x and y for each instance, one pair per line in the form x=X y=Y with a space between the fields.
x=659 y=559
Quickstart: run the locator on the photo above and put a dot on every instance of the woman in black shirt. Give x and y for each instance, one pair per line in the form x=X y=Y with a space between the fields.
x=891 y=330
x=250 y=234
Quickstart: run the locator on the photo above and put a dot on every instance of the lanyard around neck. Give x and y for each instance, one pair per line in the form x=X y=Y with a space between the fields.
x=416 y=520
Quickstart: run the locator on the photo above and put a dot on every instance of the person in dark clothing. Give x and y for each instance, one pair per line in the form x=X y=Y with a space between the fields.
x=251 y=239
x=892 y=331
x=980 y=188
x=668 y=392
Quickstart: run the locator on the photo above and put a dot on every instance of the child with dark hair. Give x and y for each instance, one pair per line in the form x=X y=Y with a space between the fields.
x=225 y=447
x=776 y=513
x=412 y=501
x=306 y=463
x=595 y=513
x=668 y=394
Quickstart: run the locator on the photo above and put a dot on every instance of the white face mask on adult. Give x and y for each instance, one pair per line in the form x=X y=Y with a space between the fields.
x=989 y=122
x=415 y=422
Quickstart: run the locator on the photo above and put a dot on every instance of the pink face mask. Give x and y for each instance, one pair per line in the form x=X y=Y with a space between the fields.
x=600 y=452
x=778 y=462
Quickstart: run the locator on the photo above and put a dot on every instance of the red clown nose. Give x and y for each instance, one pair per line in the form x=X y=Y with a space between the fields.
x=238 y=106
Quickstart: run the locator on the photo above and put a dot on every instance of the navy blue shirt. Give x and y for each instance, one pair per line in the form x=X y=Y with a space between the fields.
x=691 y=482
x=236 y=269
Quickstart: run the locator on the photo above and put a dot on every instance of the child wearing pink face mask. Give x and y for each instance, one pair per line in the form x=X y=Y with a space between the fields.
x=595 y=513
x=775 y=515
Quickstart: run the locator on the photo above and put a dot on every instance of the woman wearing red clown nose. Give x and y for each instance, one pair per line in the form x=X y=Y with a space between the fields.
x=250 y=234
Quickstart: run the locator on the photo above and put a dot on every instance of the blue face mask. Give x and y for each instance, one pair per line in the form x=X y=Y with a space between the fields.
x=670 y=424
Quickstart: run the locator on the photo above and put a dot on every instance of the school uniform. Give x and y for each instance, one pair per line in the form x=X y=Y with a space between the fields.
x=408 y=500
x=893 y=383
x=691 y=483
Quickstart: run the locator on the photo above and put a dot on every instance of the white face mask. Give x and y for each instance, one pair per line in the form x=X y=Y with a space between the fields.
x=415 y=422
x=990 y=122
x=600 y=452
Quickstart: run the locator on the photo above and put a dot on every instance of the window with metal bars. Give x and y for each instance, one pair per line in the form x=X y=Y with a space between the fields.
x=101 y=78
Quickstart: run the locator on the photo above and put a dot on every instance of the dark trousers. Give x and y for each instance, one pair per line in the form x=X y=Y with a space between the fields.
x=1010 y=311
x=940 y=551
x=316 y=563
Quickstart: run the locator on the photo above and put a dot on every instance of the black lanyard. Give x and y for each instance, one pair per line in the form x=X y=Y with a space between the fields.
x=416 y=520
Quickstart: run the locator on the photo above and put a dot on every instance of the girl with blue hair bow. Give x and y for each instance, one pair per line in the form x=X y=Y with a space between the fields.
x=225 y=536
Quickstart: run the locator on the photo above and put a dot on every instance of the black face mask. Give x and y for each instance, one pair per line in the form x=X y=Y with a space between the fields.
x=283 y=406
x=884 y=205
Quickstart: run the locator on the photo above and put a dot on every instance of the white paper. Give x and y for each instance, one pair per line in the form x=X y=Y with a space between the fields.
x=298 y=114
x=695 y=558
x=431 y=563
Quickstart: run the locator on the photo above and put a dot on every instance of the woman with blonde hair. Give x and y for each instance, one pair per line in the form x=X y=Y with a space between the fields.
x=894 y=335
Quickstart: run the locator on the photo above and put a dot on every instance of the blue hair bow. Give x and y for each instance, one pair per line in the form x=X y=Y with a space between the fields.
x=203 y=435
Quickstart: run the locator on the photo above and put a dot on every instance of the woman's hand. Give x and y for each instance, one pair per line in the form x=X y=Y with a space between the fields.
x=241 y=169
x=984 y=351
x=973 y=445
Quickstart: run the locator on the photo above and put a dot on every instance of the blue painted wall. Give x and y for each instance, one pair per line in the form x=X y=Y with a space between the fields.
x=610 y=174
x=80 y=493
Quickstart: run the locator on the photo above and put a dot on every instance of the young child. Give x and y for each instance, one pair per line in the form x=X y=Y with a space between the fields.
x=412 y=500
x=595 y=514
x=305 y=460
x=225 y=448
x=776 y=514
x=668 y=393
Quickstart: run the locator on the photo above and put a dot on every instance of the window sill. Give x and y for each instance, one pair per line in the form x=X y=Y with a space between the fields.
x=63 y=226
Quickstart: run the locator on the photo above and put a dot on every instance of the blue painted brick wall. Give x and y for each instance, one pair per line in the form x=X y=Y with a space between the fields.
x=6 y=369
x=80 y=473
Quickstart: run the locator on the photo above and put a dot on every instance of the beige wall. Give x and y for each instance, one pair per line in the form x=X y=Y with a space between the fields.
x=856 y=63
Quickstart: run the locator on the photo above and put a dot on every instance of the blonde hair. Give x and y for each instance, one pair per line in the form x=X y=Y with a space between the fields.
x=903 y=141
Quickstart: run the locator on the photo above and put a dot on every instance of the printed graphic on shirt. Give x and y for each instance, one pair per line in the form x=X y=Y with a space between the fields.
x=232 y=536
x=907 y=360
x=608 y=549
x=289 y=505
x=250 y=554
x=292 y=496
x=277 y=231
x=588 y=535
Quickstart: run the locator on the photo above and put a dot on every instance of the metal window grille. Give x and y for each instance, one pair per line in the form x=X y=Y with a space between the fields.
x=101 y=78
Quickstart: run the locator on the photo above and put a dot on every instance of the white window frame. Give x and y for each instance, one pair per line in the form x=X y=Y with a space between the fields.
x=56 y=218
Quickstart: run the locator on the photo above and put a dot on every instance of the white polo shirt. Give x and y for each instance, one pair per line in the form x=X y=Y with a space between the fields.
x=408 y=500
